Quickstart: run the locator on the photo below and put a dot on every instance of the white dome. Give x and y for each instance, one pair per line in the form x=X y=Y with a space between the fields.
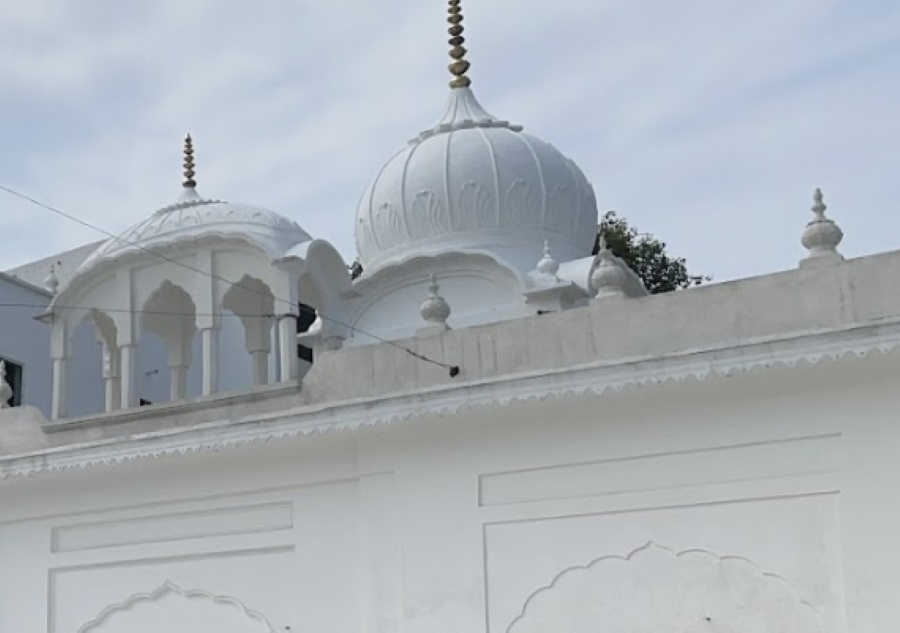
x=475 y=182
x=193 y=218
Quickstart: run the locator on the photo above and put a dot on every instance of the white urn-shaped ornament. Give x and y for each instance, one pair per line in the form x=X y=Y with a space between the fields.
x=821 y=236
x=608 y=278
x=547 y=266
x=435 y=310
x=6 y=391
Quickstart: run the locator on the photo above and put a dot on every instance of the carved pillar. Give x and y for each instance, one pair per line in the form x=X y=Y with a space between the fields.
x=258 y=341
x=59 y=351
x=60 y=366
x=128 y=368
x=112 y=378
x=210 y=360
x=206 y=296
x=179 y=355
x=286 y=310
x=287 y=335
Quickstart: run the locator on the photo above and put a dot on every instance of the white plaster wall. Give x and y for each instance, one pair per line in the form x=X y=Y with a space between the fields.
x=759 y=503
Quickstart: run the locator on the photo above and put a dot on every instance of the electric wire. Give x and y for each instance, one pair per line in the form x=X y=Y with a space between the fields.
x=41 y=306
x=453 y=369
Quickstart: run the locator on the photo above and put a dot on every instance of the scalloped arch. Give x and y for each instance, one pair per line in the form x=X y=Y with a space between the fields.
x=655 y=588
x=253 y=621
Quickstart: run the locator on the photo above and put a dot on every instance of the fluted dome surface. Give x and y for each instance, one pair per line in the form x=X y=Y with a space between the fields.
x=474 y=181
x=193 y=218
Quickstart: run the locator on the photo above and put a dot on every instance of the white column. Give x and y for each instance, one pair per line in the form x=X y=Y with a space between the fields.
x=128 y=368
x=276 y=357
x=210 y=360
x=59 y=352
x=111 y=378
x=60 y=365
x=287 y=331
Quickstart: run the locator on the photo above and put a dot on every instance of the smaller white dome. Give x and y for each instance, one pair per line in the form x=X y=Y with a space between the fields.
x=193 y=217
x=476 y=182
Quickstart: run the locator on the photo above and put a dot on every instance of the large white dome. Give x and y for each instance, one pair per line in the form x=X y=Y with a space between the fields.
x=193 y=218
x=475 y=182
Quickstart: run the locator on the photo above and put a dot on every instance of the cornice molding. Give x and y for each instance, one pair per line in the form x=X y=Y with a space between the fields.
x=452 y=400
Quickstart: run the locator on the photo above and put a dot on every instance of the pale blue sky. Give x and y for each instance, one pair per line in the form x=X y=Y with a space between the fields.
x=706 y=122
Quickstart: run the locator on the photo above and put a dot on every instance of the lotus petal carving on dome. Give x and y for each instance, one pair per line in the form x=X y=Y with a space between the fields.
x=429 y=215
x=523 y=206
x=397 y=222
x=476 y=175
x=393 y=227
x=186 y=221
x=185 y=217
x=475 y=207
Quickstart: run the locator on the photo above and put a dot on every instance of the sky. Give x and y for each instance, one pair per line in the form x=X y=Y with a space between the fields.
x=707 y=123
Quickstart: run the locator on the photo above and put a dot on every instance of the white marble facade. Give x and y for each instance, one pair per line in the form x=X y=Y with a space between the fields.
x=500 y=432
x=752 y=503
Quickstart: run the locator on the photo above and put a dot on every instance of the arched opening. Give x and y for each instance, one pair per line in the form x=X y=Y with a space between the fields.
x=168 y=331
x=253 y=303
x=93 y=356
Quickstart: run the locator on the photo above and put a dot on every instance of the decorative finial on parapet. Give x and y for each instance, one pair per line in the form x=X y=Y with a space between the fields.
x=608 y=278
x=435 y=309
x=821 y=236
x=460 y=66
x=189 y=182
x=548 y=266
x=6 y=391
x=51 y=281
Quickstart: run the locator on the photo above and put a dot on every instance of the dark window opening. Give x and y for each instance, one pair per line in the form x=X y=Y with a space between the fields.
x=14 y=380
x=305 y=320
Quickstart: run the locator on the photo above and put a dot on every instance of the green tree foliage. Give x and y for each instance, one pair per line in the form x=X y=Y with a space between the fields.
x=645 y=255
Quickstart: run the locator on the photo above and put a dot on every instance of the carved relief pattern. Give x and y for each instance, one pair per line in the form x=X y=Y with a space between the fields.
x=523 y=206
x=389 y=226
x=430 y=215
x=655 y=589
x=170 y=607
x=475 y=208
x=396 y=223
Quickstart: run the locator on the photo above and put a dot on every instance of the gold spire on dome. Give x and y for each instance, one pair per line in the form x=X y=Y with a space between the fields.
x=459 y=67
x=189 y=181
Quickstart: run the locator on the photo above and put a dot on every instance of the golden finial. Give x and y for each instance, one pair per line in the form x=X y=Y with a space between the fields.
x=189 y=181
x=459 y=67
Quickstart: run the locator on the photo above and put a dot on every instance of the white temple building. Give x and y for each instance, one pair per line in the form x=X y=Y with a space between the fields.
x=491 y=430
